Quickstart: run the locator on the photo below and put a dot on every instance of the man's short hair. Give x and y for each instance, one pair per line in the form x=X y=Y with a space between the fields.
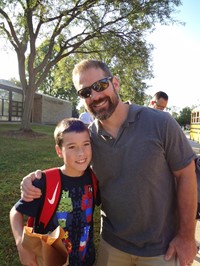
x=161 y=94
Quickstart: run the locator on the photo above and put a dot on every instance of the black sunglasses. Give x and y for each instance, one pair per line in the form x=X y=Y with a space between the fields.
x=98 y=86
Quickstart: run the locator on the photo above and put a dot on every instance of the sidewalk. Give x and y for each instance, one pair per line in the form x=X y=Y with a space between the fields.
x=195 y=145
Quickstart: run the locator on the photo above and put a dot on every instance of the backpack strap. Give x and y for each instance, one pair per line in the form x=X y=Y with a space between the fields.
x=53 y=190
x=30 y=221
x=94 y=182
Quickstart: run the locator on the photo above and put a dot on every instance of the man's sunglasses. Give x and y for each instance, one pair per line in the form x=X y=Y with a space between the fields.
x=98 y=86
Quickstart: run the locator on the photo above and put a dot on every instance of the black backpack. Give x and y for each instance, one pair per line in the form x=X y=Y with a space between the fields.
x=197 y=161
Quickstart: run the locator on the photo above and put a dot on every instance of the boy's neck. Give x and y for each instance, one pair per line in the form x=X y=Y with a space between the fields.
x=71 y=173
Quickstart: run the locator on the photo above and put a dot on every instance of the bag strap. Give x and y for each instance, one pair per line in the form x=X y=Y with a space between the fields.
x=94 y=182
x=53 y=190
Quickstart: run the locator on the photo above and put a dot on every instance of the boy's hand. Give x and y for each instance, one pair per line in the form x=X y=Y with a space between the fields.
x=26 y=257
x=28 y=191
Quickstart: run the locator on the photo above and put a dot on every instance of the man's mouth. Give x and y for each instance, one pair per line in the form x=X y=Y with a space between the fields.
x=99 y=103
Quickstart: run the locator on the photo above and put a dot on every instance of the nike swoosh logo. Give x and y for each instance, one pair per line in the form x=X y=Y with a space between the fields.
x=52 y=200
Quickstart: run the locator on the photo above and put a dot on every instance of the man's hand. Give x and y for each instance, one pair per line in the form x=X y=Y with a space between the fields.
x=184 y=249
x=28 y=191
x=184 y=245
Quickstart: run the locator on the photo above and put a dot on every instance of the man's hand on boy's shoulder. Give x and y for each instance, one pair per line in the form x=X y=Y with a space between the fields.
x=28 y=191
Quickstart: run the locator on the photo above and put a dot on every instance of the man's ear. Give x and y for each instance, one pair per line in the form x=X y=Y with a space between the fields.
x=58 y=151
x=115 y=82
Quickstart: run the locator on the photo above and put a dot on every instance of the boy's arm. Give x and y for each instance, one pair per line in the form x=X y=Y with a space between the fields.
x=28 y=191
x=16 y=222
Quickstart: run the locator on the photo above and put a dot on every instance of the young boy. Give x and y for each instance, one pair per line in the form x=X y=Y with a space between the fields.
x=74 y=212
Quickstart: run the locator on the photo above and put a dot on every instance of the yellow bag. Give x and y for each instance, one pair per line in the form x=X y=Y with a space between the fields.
x=48 y=248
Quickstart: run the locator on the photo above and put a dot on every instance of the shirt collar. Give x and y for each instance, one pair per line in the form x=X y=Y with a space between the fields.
x=133 y=114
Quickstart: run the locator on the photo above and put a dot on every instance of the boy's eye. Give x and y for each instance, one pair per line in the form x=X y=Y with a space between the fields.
x=71 y=147
x=87 y=144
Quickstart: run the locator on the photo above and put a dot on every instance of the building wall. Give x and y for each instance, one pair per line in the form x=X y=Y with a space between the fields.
x=50 y=110
x=37 y=109
x=46 y=109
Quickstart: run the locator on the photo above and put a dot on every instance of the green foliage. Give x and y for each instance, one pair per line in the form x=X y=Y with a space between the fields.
x=126 y=63
x=19 y=156
x=45 y=32
x=184 y=117
x=175 y=115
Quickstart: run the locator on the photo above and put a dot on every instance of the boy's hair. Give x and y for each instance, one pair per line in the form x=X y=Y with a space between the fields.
x=89 y=63
x=68 y=125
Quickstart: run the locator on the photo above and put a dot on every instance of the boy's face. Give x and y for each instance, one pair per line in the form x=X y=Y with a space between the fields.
x=76 y=152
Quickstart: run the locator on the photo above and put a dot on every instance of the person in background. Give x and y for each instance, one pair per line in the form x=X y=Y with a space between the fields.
x=86 y=118
x=146 y=172
x=159 y=101
x=74 y=212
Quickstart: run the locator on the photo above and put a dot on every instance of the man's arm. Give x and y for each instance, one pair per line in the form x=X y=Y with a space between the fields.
x=184 y=244
x=16 y=221
x=28 y=191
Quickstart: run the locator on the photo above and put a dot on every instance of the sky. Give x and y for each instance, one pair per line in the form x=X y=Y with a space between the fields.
x=176 y=59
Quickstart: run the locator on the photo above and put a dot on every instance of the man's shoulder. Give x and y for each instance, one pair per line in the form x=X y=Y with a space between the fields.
x=155 y=112
x=144 y=110
x=150 y=115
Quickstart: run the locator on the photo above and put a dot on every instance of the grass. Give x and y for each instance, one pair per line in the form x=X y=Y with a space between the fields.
x=18 y=157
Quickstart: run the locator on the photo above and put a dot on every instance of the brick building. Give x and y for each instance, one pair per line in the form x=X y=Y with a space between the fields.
x=46 y=109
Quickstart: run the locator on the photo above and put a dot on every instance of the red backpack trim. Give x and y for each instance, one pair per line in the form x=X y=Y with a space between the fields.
x=94 y=183
x=53 y=190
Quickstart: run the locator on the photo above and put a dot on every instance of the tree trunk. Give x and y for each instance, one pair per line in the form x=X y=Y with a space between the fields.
x=28 y=105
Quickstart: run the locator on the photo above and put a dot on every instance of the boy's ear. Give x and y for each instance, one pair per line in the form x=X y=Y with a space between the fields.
x=58 y=151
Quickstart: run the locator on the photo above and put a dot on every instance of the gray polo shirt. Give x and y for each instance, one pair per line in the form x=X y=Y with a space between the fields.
x=138 y=190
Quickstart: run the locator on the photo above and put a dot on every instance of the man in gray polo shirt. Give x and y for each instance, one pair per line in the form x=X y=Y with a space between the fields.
x=146 y=172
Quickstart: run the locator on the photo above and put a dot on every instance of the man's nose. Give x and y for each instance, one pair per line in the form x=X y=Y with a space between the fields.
x=94 y=94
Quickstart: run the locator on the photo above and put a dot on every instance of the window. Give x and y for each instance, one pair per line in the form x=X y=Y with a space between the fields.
x=11 y=105
x=4 y=105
